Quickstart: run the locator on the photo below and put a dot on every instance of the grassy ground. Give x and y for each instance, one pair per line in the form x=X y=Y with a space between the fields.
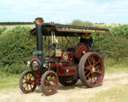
x=116 y=94
x=8 y=81
x=112 y=66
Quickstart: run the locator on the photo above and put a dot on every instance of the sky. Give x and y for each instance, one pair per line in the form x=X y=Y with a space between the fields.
x=65 y=11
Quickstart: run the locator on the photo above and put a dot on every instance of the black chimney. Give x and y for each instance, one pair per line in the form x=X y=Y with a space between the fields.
x=39 y=45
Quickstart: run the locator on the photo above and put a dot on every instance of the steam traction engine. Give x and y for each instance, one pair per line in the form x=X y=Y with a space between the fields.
x=64 y=66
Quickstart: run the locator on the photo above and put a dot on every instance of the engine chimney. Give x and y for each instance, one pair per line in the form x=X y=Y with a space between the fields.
x=39 y=34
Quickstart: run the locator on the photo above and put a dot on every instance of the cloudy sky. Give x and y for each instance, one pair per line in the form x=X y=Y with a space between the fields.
x=64 y=11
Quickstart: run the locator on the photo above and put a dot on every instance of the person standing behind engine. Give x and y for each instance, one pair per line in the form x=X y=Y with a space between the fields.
x=38 y=21
x=87 y=40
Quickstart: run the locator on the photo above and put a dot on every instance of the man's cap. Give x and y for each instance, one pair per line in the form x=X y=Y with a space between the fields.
x=39 y=18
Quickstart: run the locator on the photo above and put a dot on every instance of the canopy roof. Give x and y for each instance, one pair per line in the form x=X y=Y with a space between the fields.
x=70 y=30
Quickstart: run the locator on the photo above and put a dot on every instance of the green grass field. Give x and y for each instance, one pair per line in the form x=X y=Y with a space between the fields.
x=8 y=81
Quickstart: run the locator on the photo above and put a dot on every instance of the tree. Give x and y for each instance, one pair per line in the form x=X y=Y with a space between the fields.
x=81 y=23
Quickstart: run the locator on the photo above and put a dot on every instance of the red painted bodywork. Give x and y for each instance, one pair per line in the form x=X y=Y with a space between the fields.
x=63 y=67
x=38 y=75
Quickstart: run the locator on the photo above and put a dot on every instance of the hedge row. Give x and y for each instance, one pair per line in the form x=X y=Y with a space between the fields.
x=16 y=46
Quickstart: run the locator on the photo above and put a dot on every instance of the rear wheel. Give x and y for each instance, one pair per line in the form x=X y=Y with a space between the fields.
x=68 y=81
x=27 y=82
x=49 y=83
x=91 y=69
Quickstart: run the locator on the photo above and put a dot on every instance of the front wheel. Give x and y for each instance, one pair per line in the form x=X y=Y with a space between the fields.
x=27 y=82
x=49 y=83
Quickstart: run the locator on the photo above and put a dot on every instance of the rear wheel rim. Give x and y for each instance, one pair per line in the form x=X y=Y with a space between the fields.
x=94 y=70
x=28 y=82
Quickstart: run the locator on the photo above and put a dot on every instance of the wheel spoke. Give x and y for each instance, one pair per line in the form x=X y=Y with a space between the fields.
x=89 y=62
x=27 y=88
x=96 y=75
x=23 y=81
x=87 y=74
x=92 y=58
x=98 y=72
x=24 y=84
x=93 y=78
x=87 y=68
x=50 y=82
x=32 y=85
x=97 y=62
x=25 y=77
